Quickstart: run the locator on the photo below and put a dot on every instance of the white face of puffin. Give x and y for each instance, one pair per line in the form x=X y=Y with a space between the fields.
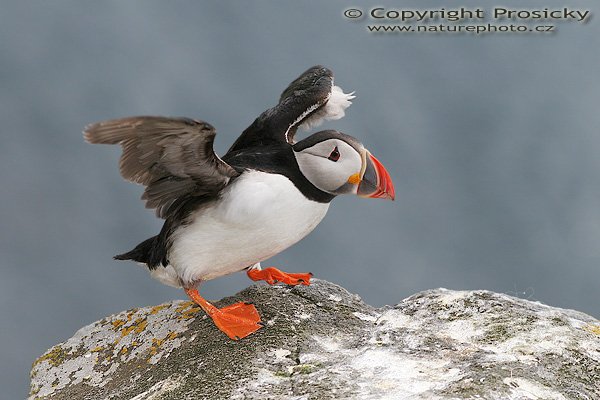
x=338 y=164
x=330 y=164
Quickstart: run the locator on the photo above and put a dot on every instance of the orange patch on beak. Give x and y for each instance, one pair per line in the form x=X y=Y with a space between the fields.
x=354 y=179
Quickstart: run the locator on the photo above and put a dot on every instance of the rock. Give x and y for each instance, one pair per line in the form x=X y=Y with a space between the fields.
x=321 y=342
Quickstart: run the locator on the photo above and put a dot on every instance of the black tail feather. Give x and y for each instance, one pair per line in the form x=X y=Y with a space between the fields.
x=154 y=251
x=142 y=252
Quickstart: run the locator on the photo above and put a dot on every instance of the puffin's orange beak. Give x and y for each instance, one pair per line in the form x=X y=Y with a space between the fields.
x=375 y=181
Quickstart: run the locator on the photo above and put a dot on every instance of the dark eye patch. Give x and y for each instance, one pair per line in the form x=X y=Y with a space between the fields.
x=335 y=155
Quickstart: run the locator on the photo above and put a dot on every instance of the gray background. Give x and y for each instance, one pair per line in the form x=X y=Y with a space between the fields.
x=492 y=142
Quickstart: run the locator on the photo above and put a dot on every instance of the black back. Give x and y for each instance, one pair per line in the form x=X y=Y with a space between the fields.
x=276 y=159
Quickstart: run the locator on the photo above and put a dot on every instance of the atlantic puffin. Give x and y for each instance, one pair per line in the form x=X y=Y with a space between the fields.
x=224 y=215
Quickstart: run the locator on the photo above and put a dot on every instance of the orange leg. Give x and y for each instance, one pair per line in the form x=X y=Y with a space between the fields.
x=236 y=321
x=272 y=275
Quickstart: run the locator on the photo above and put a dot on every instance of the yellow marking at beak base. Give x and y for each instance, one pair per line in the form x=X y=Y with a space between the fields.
x=354 y=179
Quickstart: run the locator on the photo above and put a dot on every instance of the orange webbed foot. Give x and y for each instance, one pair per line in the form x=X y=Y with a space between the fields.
x=272 y=275
x=237 y=320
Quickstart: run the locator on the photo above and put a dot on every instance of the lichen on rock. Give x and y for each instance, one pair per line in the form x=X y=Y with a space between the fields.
x=321 y=342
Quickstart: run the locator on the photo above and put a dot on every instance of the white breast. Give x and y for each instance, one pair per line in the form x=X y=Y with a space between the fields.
x=258 y=216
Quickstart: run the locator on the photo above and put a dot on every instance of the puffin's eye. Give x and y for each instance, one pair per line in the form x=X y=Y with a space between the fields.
x=335 y=155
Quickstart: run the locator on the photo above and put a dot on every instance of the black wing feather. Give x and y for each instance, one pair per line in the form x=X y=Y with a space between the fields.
x=304 y=96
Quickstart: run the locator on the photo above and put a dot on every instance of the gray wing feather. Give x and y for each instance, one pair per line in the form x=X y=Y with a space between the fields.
x=172 y=157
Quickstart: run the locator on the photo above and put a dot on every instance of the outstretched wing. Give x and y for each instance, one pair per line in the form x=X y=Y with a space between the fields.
x=172 y=157
x=307 y=101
